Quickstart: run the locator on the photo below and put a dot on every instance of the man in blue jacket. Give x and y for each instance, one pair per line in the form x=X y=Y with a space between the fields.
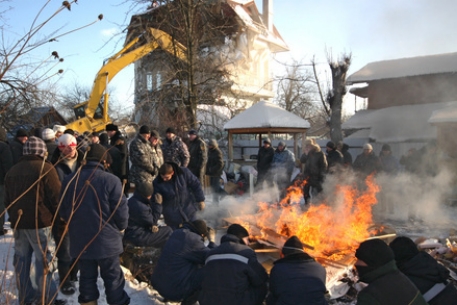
x=178 y=195
x=96 y=211
x=232 y=274
x=296 y=278
x=178 y=274
x=142 y=229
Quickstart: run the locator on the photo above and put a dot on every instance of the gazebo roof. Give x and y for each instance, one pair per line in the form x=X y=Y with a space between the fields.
x=265 y=116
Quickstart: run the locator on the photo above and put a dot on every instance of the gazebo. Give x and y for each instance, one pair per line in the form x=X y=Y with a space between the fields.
x=266 y=118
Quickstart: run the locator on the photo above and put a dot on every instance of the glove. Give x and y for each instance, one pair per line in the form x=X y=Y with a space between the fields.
x=158 y=198
x=211 y=235
x=155 y=229
x=201 y=205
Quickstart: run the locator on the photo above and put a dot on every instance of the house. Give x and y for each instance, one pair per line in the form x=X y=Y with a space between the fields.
x=238 y=46
x=402 y=95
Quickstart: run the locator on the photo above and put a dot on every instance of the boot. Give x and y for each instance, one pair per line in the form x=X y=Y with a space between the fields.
x=90 y=303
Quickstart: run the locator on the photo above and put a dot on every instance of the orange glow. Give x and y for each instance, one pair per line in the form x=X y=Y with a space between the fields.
x=333 y=228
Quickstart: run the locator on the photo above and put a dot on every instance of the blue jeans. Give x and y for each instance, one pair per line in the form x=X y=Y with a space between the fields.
x=26 y=243
x=113 y=279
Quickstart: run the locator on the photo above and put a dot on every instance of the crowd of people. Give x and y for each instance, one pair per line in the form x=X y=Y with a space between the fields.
x=72 y=190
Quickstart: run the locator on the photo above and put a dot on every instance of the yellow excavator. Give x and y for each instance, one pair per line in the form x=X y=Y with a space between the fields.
x=92 y=115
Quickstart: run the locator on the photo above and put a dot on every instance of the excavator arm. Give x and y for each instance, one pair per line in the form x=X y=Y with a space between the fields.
x=91 y=119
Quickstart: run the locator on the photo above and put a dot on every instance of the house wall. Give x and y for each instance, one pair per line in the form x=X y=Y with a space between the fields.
x=412 y=90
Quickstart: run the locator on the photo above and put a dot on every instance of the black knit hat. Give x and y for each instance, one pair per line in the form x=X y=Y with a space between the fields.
x=199 y=227
x=69 y=131
x=155 y=134
x=292 y=245
x=404 y=249
x=330 y=144
x=21 y=133
x=144 y=189
x=192 y=132
x=170 y=130
x=374 y=253
x=111 y=127
x=96 y=152
x=386 y=147
x=237 y=230
x=267 y=140
x=144 y=129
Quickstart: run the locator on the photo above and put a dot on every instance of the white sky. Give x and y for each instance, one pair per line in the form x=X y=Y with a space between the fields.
x=371 y=30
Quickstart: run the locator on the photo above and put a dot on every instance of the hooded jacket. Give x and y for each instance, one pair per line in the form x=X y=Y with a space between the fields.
x=315 y=165
x=284 y=161
x=198 y=157
x=297 y=279
x=244 y=279
x=264 y=159
x=215 y=165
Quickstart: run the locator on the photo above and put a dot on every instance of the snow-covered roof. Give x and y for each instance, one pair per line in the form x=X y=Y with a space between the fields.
x=445 y=115
x=398 y=123
x=266 y=115
x=412 y=66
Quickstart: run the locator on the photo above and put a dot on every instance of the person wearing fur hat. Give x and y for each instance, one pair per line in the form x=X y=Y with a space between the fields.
x=198 y=155
x=142 y=229
x=296 y=278
x=367 y=162
x=120 y=165
x=430 y=277
x=283 y=165
x=174 y=149
x=95 y=210
x=386 y=284
x=232 y=273
x=314 y=171
x=178 y=195
x=17 y=144
x=264 y=161
x=32 y=203
x=143 y=168
x=214 y=169
x=178 y=274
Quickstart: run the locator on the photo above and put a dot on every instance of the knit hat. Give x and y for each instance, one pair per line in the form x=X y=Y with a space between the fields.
x=96 y=152
x=199 y=227
x=111 y=127
x=386 y=147
x=58 y=128
x=331 y=145
x=281 y=143
x=144 y=189
x=144 y=129
x=192 y=132
x=34 y=146
x=237 y=230
x=103 y=138
x=367 y=146
x=267 y=140
x=48 y=134
x=155 y=134
x=404 y=249
x=292 y=245
x=374 y=253
x=67 y=140
x=21 y=133
x=170 y=130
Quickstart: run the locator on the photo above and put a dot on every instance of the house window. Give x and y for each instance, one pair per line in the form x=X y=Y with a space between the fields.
x=159 y=81
x=149 y=84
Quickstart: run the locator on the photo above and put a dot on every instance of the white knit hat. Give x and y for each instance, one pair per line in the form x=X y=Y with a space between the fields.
x=67 y=140
x=48 y=134
x=60 y=128
x=367 y=146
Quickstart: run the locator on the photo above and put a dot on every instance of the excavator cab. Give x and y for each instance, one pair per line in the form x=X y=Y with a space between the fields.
x=80 y=110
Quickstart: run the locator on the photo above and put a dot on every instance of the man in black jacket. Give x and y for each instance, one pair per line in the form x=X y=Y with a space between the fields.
x=198 y=156
x=264 y=160
x=297 y=278
x=119 y=168
x=214 y=169
x=334 y=158
x=17 y=144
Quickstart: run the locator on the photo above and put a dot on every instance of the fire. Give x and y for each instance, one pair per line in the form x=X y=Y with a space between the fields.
x=331 y=228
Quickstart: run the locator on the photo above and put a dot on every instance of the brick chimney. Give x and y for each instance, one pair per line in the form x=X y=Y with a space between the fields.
x=267 y=14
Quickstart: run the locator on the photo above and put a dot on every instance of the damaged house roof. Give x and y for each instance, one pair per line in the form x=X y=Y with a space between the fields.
x=404 y=67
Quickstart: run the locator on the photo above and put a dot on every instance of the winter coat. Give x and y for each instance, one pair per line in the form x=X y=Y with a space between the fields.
x=297 y=279
x=347 y=157
x=141 y=219
x=100 y=211
x=6 y=161
x=178 y=270
x=52 y=147
x=180 y=196
x=425 y=272
x=18 y=179
x=315 y=166
x=143 y=169
x=366 y=164
x=244 y=280
x=264 y=159
x=175 y=151
x=215 y=165
x=157 y=156
x=284 y=159
x=120 y=166
x=387 y=285
x=198 y=158
x=16 y=150
x=389 y=164
x=334 y=158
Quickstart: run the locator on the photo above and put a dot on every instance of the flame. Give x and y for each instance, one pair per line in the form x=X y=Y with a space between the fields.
x=333 y=229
